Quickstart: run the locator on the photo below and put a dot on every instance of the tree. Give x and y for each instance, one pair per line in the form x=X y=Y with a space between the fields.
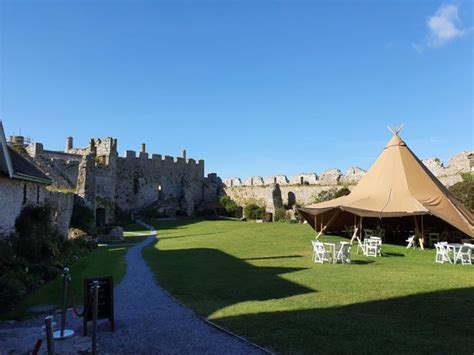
x=228 y=204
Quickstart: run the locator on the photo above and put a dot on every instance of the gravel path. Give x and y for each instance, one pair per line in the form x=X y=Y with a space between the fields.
x=148 y=320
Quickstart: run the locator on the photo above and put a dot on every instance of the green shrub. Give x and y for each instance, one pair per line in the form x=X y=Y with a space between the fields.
x=464 y=192
x=298 y=216
x=467 y=177
x=83 y=218
x=149 y=212
x=11 y=288
x=229 y=205
x=35 y=254
x=253 y=211
x=35 y=239
x=343 y=191
x=330 y=194
x=281 y=215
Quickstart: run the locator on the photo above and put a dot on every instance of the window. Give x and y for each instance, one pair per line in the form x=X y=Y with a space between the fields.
x=136 y=185
x=24 y=194
x=37 y=194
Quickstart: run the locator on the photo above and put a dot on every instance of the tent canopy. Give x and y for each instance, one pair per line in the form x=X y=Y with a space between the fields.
x=398 y=185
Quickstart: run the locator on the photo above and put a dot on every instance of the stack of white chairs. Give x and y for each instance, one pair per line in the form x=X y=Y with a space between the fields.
x=442 y=253
x=320 y=255
x=464 y=254
x=344 y=253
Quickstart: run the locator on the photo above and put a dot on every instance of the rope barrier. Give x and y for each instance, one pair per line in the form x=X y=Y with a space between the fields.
x=74 y=307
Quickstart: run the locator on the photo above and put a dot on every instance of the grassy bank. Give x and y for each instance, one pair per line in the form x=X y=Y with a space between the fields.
x=258 y=280
x=103 y=261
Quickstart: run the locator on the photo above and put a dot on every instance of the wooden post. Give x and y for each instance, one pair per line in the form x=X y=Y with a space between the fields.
x=418 y=234
x=49 y=334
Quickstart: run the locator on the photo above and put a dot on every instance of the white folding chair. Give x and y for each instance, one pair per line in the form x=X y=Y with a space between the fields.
x=344 y=253
x=464 y=254
x=411 y=242
x=442 y=254
x=371 y=248
x=378 y=242
x=319 y=252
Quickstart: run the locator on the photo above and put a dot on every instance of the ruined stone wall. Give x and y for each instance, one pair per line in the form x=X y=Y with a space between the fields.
x=175 y=183
x=263 y=195
x=451 y=174
x=16 y=194
x=303 y=188
x=62 y=205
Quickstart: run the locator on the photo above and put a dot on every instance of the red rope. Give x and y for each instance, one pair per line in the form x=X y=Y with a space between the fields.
x=74 y=308
x=37 y=347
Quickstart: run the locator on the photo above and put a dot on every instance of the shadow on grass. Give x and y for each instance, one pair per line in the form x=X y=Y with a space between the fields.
x=274 y=257
x=362 y=262
x=212 y=279
x=435 y=322
x=393 y=254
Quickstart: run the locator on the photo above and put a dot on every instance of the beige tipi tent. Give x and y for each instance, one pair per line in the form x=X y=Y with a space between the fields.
x=397 y=185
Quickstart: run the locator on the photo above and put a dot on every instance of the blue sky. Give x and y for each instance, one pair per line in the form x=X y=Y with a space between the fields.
x=252 y=87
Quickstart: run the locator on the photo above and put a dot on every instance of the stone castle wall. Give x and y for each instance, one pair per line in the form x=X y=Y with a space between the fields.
x=17 y=194
x=103 y=180
x=303 y=188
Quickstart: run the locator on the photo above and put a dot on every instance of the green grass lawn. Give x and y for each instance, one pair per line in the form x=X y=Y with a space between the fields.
x=104 y=261
x=258 y=280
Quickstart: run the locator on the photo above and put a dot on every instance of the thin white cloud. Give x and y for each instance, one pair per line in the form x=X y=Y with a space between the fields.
x=444 y=26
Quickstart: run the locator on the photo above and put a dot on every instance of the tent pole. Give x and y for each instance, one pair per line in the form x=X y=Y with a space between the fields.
x=359 y=240
x=356 y=229
x=422 y=231
x=316 y=224
x=329 y=223
x=418 y=234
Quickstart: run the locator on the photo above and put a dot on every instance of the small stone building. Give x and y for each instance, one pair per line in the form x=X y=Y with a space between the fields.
x=21 y=184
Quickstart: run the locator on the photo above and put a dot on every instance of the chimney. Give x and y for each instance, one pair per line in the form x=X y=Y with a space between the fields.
x=143 y=148
x=183 y=154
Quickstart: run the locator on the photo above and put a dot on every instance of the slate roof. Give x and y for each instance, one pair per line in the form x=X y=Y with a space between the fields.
x=15 y=166
x=23 y=169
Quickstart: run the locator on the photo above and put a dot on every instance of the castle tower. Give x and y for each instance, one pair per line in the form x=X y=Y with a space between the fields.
x=86 y=182
x=69 y=144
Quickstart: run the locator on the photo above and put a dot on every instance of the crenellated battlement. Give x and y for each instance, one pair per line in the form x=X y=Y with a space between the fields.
x=449 y=175
x=328 y=177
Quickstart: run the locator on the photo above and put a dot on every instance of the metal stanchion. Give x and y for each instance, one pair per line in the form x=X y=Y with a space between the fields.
x=64 y=333
x=49 y=334
x=95 y=311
